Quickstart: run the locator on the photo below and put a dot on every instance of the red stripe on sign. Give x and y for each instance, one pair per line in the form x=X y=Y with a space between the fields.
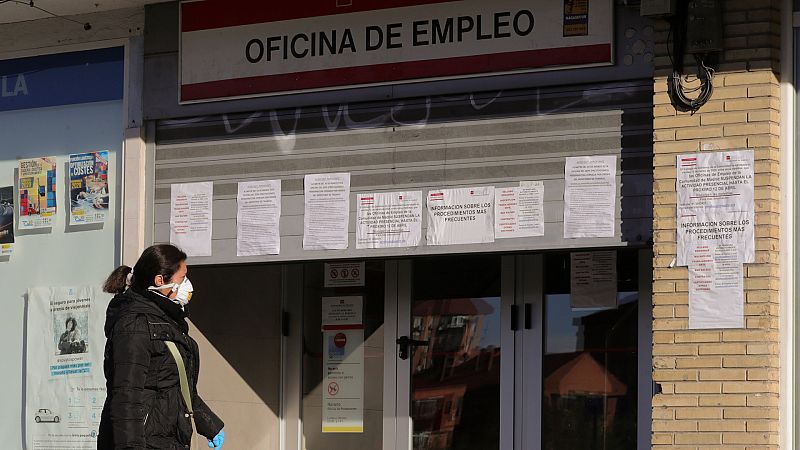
x=342 y=327
x=210 y=14
x=350 y=76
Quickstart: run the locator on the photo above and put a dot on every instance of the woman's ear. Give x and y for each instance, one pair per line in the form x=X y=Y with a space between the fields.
x=159 y=280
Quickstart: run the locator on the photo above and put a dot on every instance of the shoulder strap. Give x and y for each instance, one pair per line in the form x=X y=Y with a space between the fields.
x=187 y=396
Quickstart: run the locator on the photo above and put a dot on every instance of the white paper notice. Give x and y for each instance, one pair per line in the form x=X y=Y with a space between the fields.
x=389 y=220
x=343 y=386
x=716 y=202
x=258 y=218
x=590 y=196
x=461 y=216
x=519 y=211
x=327 y=211
x=593 y=279
x=190 y=218
x=716 y=287
x=344 y=274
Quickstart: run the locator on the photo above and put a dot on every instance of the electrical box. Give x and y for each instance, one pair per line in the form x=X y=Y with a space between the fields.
x=658 y=8
x=704 y=26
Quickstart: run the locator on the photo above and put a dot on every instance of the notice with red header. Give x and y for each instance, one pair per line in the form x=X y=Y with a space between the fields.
x=461 y=216
x=343 y=384
x=389 y=219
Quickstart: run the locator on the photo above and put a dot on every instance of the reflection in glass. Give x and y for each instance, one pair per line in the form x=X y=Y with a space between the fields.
x=589 y=375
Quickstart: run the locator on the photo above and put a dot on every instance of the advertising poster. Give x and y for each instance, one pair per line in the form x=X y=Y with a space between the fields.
x=65 y=385
x=190 y=218
x=716 y=287
x=88 y=188
x=258 y=218
x=389 y=220
x=576 y=18
x=461 y=216
x=590 y=197
x=343 y=391
x=519 y=210
x=327 y=211
x=37 y=192
x=593 y=279
x=716 y=203
x=6 y=220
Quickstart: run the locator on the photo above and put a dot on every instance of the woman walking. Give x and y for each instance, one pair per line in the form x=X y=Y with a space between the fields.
x=151 y=364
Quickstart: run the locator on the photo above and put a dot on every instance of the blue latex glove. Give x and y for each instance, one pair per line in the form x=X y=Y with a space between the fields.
x=218 y=440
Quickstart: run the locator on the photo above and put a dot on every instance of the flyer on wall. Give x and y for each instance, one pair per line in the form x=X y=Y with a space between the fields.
x=461 y=216
x=327 y=211
x=590 y=196
x=716 y=202
x=258 y=217
x=190 y=217
x=65 y=385
x=6 y=220
x=343 y=363
x=716 y=286
x=88 y=188
x=519 y=210
x=37 y=192
x=389 y=219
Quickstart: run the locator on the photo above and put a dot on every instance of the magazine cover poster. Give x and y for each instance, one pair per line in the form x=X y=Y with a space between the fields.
x=88 y=182
x=65 y=385
x=37 y=192
x=6 y=220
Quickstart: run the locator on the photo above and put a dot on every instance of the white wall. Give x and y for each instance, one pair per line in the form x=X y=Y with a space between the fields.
x=64 y=255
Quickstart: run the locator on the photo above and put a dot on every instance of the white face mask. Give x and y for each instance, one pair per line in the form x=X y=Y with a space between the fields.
x=183 y=291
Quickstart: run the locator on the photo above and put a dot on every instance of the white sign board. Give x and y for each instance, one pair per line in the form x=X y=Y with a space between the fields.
x=716 y=202
x=344 y=274
x=593 y=279
x=716 y=289
x=590 y=197
x=389 y=220
x=461 y=216
x=519 y=210
x=65 y=384
x=190 y=217
x=258 y=218
x=342 y=312
x=327 y=211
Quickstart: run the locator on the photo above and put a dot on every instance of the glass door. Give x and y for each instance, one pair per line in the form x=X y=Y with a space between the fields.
x=452 y=358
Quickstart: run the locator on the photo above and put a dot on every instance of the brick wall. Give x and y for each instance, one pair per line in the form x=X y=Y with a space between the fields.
x=720 y=387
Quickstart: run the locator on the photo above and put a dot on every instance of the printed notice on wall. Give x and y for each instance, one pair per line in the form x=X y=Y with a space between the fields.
x=65 y=385
x=88 y=188
x=716 y=203
x=576 y=18
x=461 y=216
x=6 y=220
x=344 y=274
x=190 y=217
x=37 y=192
x=593 y=279
x=590 y=197
x=327 y=211
x=389 y=219
x=343 y=384
x=258 y=218
x=519 y=210
x=716 y=290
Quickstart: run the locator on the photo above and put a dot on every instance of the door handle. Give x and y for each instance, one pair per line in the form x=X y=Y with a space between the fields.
x=405 y=343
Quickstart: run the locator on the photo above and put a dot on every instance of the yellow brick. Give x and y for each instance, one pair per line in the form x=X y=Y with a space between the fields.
x=661 y=362
x=663 y=337
x=663 y=111
x=763 y=141
x=723 y=118
x=748 y=336
x=676 y=122
x=665 y=211
x=675 y=350
x=675 y=273
x=749 y=78
x=733 y=412
x=682 y=311
x=746 y=129
x=749 y=387
x=698 y=388
x=763 y=425
x=749 y=361
x=722 y=349
x=698 y=133
x=698 y=413
x=676 y=147
x=723 y=144
x=697 y=336
x=763 y=90
x=751 y=104
x=661 y=439
x=667 y=185
x=670 y=324
x=663 y=135
x=761 y=296
x=730 y=92
x=698 y=438
x=674 y=425
x=675 y=400
x=762 y=349
x=670 y=299
x=663 y=312
x=762 y=115
x=762 y=400
x=712 y=106
x=722 y=374
x=674 y=375
x=721 y=425
x=663 y=286
x=762 y=375
x=747 y=438
x=722 y=400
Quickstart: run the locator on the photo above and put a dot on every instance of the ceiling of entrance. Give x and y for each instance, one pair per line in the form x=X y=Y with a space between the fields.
x=19 y=10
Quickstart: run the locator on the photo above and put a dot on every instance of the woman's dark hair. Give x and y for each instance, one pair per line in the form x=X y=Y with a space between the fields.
x=74 y=323
x=161 y=259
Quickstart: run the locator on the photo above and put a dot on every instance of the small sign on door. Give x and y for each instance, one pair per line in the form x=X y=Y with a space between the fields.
x=344 y=274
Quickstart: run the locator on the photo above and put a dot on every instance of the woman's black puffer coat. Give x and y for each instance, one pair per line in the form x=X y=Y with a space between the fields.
x=144 y=408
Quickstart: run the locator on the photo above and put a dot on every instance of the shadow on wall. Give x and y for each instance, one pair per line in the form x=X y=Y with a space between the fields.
x=236 y=320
